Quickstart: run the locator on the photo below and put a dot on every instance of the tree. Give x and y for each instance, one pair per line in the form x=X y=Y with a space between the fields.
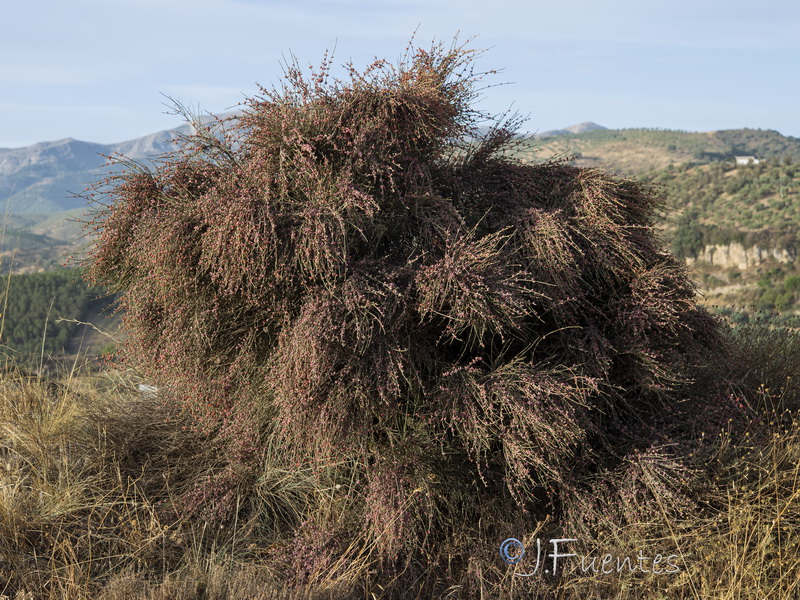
x=689 y=238
x=792 y=283
x=353 y=273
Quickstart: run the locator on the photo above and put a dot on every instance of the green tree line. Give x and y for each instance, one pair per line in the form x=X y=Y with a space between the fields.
x=32 y=308
x=718 y=203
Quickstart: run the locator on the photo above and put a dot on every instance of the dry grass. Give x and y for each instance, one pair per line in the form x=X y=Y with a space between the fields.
x=89 y=470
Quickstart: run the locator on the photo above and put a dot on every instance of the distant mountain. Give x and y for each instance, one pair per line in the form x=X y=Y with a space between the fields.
x=42 y=178
x=572 y=129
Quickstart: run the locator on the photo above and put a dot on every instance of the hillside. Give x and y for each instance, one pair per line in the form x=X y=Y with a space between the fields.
x=633 y=151
x=719 y=203
x=737 y=226
x=39 y=314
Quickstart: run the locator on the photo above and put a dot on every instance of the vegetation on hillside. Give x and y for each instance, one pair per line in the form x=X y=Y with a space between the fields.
x=711 y=202
x=754 y=206
x=720 y=203
x=38 y=310
x=636 y=150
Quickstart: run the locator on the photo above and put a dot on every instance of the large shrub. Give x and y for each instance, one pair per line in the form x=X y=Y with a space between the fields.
x=355 y=272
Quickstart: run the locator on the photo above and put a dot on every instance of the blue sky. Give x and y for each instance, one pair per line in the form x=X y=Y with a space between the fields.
x=96 y=70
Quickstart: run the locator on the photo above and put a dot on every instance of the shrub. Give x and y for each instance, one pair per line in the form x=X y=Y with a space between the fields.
x=352 y=272
x=792 y=283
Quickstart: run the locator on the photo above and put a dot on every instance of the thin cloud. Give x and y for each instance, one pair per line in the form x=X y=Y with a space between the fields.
x=212 y=52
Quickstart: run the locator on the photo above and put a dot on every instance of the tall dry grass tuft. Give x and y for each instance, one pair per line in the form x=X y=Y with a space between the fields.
x=66 y=518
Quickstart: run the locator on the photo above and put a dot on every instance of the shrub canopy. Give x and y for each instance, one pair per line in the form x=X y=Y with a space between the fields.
x=356 y=268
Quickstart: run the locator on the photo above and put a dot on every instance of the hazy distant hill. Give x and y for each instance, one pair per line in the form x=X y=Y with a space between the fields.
x=43 y=178
x=572 y=129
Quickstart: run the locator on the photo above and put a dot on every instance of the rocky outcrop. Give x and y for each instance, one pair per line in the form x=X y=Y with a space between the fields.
x=736 y=255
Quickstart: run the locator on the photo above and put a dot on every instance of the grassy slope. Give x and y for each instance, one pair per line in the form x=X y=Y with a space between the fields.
x=87 y=469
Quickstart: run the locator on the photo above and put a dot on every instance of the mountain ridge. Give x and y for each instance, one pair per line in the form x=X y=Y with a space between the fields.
x=43 y=177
